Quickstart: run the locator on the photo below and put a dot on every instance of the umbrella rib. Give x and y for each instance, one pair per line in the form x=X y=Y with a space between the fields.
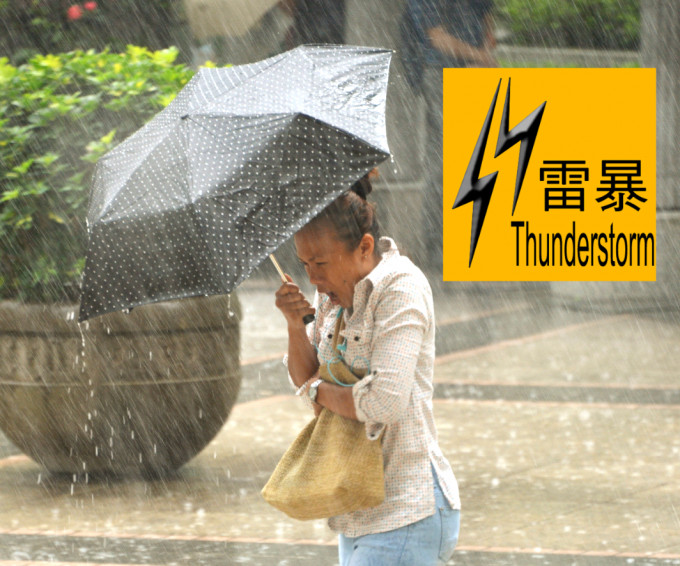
x=258 y=69
x=265 y=228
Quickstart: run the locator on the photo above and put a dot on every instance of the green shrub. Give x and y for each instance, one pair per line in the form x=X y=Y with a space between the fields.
x=29 y=27
x=58 y=115
x=597 y=24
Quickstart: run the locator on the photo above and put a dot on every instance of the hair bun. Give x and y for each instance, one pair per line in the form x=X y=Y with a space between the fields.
x=362 y=187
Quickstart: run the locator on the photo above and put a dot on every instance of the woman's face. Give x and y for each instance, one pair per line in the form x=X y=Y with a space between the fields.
x=330 y=266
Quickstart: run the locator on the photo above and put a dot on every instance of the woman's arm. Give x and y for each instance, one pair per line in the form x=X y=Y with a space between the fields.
x=489 y=35
x=337 y=399
x=401 y=318
x=450 y=45
x=302 y=360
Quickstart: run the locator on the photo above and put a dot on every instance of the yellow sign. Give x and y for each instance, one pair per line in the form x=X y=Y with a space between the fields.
x=549 y=175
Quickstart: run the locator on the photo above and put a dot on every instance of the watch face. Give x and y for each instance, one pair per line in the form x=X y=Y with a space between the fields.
x=313 y=390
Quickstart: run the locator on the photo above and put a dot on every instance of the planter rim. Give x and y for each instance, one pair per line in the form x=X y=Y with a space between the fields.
x=180 y=315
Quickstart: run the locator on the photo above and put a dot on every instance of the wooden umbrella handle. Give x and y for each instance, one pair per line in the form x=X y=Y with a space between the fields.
x=308 y=317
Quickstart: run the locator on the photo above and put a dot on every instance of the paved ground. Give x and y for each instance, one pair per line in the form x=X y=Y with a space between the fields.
x=563 y=428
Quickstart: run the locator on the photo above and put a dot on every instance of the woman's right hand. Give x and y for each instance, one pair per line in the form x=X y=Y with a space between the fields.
x=293 y=304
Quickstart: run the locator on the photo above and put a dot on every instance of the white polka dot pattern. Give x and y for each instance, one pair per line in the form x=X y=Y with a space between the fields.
x=243 y=157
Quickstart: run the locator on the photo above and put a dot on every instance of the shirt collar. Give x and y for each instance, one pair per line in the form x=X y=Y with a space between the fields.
x=388 y=250
x=364 y=287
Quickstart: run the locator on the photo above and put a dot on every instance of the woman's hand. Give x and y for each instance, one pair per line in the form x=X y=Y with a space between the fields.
x=293 y=304
x=450 y=45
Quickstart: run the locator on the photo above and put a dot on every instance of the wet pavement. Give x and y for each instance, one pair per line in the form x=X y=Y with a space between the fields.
x=563 y=428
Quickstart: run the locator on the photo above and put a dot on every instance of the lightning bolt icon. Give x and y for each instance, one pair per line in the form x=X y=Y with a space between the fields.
x=478 y=191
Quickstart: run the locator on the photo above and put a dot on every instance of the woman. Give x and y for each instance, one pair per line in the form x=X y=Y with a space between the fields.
x=387 y=307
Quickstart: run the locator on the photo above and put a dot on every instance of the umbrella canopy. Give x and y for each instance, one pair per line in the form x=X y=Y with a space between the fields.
x=242 y=158
x=213 y=18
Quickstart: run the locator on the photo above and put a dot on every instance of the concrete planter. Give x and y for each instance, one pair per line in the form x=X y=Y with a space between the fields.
x=123 y=394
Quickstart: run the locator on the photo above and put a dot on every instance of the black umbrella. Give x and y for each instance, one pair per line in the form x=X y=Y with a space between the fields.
x=244 y=156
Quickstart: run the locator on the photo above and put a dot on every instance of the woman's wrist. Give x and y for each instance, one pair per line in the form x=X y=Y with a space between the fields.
x=304 y=387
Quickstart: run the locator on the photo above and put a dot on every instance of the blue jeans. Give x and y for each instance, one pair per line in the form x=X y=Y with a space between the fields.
x=422 y=543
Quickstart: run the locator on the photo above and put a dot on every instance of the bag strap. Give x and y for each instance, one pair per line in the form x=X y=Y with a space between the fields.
x=339 y=326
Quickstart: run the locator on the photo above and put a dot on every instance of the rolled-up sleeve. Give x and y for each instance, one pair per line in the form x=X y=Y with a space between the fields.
x=400 y=322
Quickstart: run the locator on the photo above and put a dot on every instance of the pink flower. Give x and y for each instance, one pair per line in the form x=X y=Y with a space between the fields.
x=75 y=12
x=90 y=6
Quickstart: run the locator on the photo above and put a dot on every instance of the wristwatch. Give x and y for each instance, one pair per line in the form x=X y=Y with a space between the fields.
x=314 y=389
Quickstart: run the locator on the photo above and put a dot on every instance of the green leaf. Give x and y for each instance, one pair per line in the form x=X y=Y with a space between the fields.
x=24 y=222
x=24 y=167
x=10 y=195
x=108 y=138
x=47 y=159
x=7 y=71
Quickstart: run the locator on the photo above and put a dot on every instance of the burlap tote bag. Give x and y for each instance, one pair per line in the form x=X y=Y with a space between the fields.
x=331 y=468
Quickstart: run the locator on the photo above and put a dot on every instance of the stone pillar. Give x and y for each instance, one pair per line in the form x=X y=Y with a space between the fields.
x=375 y=23
x=660 y=47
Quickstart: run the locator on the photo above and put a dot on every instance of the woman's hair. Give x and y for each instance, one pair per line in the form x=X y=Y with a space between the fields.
x=351 y=216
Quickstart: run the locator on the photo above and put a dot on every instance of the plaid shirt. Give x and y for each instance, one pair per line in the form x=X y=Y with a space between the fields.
x=390 y=332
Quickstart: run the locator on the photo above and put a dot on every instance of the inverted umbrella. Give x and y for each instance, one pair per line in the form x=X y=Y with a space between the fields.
x=242 y=158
